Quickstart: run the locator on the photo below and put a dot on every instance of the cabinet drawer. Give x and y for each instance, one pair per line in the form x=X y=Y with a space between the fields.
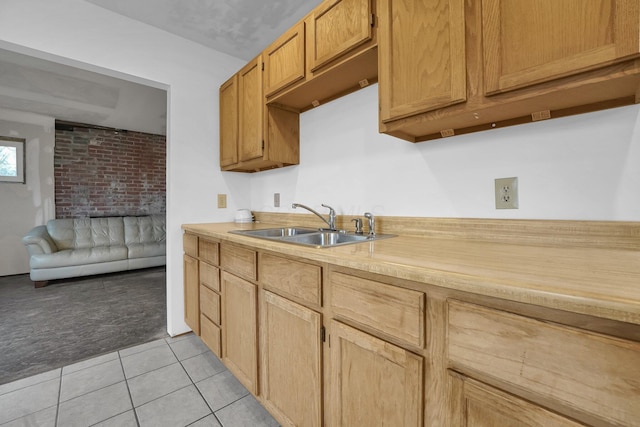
x=210 y=304
x=210 y=334
x=294 y=278
x=587 y=372
x=395 y=311
x=190 y=244
x=238 y=260
x=208 y=251
x=210 y=276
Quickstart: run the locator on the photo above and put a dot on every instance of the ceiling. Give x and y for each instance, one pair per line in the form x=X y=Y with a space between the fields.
x=241 y=28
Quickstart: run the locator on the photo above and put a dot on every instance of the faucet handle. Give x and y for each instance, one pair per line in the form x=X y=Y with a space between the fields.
x=332 y=216
x=331 y=211
x=372 y=223
x=358 y=222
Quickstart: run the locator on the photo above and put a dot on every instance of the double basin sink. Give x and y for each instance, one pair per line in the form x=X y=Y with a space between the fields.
x=312 y=237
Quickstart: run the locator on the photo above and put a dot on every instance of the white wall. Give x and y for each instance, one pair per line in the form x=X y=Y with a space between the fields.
x=78 y=33
x=23 y=206
x=584 y=167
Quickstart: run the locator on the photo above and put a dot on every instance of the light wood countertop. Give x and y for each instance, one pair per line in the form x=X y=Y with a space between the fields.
x=593 y=281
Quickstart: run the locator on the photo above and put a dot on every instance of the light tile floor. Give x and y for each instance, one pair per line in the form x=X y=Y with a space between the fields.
x=170 y=382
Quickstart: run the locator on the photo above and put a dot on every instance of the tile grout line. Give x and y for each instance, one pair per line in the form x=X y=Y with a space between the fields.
x=126 y=382
x=62 y=374
x=30 y=385
x=159 y=367
x=59 y=396
x=194 y=384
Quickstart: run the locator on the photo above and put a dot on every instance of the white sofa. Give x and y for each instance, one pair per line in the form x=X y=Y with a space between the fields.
x=80 y=247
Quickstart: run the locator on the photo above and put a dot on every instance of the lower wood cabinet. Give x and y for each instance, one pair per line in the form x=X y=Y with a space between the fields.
x=373 y=382
x=401 y=353
x=211 y=335
x=485 y=406
x=240 y=337
x=291 y=365
x=191 y=293
x=593 y=376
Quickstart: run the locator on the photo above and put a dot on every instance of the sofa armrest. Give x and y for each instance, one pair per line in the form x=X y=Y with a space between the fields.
x=38 y=241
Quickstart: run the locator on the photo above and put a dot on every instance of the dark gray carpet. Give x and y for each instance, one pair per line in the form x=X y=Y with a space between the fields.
x=75 y=319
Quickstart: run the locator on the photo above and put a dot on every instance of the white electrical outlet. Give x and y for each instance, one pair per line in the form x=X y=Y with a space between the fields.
x=276 y=200
x=507 y=193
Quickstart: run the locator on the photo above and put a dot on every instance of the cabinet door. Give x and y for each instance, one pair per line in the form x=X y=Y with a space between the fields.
x=484 y=406
x=239 y=337
x=191 y=293
x=528 y=42
x=421 y=62
x=229 y=122
x=374 y=383
x=284 y=60
x=291 y=361
x=251 y=110
x=336 y=27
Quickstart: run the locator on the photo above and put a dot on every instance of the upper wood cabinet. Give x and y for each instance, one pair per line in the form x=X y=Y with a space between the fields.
x=336 y=27
x=339 y=56
x=229 y=122
x=255 y=136
x=329 y=53
x=250 y=111
x=422 y=62
x=526 y=43
x=449 y=67
x=284 y=60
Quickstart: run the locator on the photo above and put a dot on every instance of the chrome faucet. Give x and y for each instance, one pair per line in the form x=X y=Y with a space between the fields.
x=332 y=214
x=372 y=223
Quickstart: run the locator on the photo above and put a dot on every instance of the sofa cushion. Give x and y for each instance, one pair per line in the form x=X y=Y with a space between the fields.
x=144 y=229
x=72 y=257
x=143 y=250
x=86 y=232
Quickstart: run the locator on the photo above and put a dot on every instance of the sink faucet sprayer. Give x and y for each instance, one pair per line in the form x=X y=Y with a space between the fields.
x=332 y=214
x=372 y=223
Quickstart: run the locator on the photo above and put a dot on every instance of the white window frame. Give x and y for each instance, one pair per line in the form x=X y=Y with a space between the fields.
x=19 y=145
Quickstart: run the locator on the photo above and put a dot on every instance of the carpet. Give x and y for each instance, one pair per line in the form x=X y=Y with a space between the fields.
x=74 y=319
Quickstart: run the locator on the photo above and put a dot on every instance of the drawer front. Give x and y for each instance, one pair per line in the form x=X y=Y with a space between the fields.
x=208 y=251
x=210 y=276
x=238 y=260
x=587 y=372
x=294 y=278
x=395 y=311
x=210 y=304
x=210 y=334
x=190 y=244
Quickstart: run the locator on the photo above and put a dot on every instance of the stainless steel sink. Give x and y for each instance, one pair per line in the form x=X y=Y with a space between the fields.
x=327 y=238
x=310 y=237
x=275 y=233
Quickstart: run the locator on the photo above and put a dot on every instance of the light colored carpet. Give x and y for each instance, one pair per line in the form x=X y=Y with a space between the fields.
x=75 y=319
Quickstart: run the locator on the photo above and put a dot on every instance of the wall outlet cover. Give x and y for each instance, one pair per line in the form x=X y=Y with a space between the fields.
x=222 y=201
x=506 y=193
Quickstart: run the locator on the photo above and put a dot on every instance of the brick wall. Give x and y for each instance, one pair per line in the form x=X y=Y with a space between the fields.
x=108 y=173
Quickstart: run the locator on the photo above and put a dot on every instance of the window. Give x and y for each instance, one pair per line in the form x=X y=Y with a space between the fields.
x=12 y=159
